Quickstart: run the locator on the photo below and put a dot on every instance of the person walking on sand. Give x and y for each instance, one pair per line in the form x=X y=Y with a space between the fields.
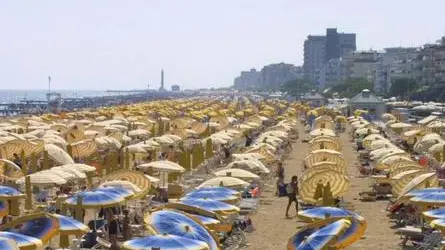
x=292 y=192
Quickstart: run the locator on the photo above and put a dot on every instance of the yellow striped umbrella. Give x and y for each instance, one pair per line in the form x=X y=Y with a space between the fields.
x=401 y=163
x=421 y=181
x=387 y=160
x=329 y=165
x=325 y=144
x=339 y=184
x=399 y=181
x=84 y=148
x=405 y=168
x=135 y=177
x=324 y=155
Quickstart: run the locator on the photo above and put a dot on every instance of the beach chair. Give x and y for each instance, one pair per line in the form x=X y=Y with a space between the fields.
x=102 y=243
x=430 y=241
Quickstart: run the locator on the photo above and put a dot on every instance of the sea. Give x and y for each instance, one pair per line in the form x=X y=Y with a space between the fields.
x=15 y=96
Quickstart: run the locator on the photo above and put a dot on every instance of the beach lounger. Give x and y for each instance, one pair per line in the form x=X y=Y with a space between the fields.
x=101 y=242
x=430 y=241
x=248 y=205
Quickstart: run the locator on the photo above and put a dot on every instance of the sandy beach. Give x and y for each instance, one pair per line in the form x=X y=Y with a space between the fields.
x=272 y=229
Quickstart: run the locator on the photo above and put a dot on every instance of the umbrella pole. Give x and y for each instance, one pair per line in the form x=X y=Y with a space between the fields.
x=28 y=191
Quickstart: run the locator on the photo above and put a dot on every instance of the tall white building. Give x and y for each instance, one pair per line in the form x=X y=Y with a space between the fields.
x=314 y=57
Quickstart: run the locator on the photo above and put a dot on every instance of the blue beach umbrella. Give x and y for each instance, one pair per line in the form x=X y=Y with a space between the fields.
x=218 y=189
x=433 y=198
x=435 y=214
x=212 y=205
x=40 y=226
x=354 y=232
x=22 y=241
x=320 y=213
x=126 y=193
x=8 y=192
x=68 y=225
x=325 y=236
x=206 y=220
x=177 y=223
x=419 y=192
x=214 y=195
x=95 y=199
x=165 y=242
x=8 y=244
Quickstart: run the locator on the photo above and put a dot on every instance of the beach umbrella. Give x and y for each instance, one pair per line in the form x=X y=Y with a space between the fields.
x=22 y=241
x=421 y=181
x=126 y=193
x=325 y=165
x=193 y=210
x=338 y=182
x=163 y=166
x=438 y=224
x=80 y=167
x=43 y=178
x=208 y=221
x=95 y=199
x=165 y=241
x=388 y=117
x=435 y=214
x=378 y=144
x=351 y=235
x=399 y=181
x=7 y=193
x=214 y=195
x=322 y=131
x=224 y=182
x=435 y=198
x=58 y=155
x=177 y=223
x=436 y=124
x=78 y=174
x=324 y=144
x=238 y=173
x=420 y=192
x=322 y=238
x=405 y=168
x=68 y=225
x=366 y=131
x=122 y=184
x=8 y=244
x=218 y=189
x=254 y=165
x=248 y=156
x=40 y=226
x=218 y=207
x=137 y=178
x=324 y=155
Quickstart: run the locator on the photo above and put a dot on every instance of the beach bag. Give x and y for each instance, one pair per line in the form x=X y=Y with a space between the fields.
x=282 y=190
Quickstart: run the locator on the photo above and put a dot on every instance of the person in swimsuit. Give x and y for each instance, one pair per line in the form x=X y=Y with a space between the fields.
x=292 y=194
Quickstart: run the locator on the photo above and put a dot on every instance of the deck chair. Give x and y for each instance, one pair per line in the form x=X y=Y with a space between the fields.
x=430 y=241
x=101 y=242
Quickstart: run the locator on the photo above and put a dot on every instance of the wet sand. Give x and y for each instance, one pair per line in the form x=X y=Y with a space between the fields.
x=272 y=229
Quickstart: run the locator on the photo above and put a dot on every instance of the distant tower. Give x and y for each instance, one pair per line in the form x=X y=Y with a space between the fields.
x=162 y=80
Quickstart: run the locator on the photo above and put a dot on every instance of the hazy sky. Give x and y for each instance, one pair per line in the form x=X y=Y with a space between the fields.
x=110 y=44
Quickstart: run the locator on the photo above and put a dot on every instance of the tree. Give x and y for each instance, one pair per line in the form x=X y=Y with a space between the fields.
x=297 y=87
x=351 y=87
x=403 y=87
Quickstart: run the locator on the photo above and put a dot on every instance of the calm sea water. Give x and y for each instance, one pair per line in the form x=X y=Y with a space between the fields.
x=8 y=96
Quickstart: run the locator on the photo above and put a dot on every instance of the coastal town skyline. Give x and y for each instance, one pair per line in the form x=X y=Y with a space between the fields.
x=107 y=45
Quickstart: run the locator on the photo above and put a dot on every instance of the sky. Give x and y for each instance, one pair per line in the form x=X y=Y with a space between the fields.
x=117 y=44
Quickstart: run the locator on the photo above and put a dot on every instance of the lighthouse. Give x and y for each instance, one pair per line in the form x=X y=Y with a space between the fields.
x=162 y=81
